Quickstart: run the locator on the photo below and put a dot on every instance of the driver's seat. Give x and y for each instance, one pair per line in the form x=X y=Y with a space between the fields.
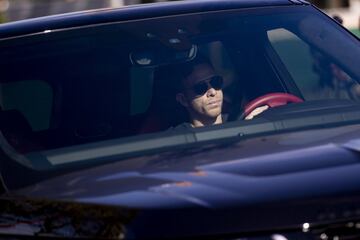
x=17 y=131
x=164 y=111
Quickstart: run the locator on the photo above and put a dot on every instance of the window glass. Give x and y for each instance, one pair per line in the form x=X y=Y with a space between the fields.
x=33 y=99
x=295 y=54
x=141 y=89
x=314 y=73
x=116 y=80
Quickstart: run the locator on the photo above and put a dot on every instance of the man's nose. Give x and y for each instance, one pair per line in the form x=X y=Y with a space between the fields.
x=211 y=92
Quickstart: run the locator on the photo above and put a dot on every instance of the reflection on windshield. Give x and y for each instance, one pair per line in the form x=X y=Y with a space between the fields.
x=108 y=82
x=335 y=81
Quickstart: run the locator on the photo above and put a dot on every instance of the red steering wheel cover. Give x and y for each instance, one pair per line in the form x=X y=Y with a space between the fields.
x=272 y=100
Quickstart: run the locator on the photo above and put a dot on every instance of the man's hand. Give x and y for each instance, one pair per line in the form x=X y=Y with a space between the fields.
x=256 y=112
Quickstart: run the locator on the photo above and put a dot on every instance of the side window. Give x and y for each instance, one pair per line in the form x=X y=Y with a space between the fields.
x=33 y=99
x=315 y=74
x=295 y=54
x=141 y=86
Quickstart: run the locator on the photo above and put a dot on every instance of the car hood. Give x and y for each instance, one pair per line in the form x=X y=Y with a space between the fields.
x=256 y=184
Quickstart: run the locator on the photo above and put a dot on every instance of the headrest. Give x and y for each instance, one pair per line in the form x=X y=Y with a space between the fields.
x=14 y=121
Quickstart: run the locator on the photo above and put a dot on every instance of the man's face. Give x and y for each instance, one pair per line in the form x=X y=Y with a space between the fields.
x=203 y=96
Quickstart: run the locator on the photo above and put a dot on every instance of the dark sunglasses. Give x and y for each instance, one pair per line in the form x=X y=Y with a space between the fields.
x=202 y=87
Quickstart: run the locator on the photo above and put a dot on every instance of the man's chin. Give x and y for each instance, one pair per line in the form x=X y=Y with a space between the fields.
x=214 y=113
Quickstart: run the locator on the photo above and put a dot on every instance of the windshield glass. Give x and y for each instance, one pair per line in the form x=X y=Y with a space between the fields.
x=113 y=81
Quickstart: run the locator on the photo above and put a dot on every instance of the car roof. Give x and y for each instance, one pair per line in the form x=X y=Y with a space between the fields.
x=90 y=17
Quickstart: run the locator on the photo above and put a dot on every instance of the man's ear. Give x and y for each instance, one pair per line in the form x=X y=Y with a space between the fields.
x=180 y=97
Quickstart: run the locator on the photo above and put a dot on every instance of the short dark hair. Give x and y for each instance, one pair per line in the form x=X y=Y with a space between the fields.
x=171 y=77
x=182 y=71
x=168 y=81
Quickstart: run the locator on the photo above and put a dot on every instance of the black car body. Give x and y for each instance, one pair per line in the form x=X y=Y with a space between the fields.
x=90 y=148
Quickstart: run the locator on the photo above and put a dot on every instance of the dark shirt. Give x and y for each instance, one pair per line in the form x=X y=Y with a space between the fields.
x=182 y=126
x=187 y=126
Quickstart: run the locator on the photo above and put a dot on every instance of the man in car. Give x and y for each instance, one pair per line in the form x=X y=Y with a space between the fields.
x=201 y=94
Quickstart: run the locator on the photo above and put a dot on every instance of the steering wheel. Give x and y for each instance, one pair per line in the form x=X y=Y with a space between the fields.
x=272 y=100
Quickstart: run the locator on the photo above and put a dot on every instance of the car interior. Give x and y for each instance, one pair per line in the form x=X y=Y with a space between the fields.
x=104 y=82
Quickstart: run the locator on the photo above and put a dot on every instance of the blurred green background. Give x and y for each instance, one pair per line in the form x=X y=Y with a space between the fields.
x=356 y=32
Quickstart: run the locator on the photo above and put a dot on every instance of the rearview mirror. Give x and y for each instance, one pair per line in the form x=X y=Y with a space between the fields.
x=163 y=56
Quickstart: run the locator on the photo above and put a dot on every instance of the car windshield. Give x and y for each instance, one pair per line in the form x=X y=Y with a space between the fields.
x=105 y=90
